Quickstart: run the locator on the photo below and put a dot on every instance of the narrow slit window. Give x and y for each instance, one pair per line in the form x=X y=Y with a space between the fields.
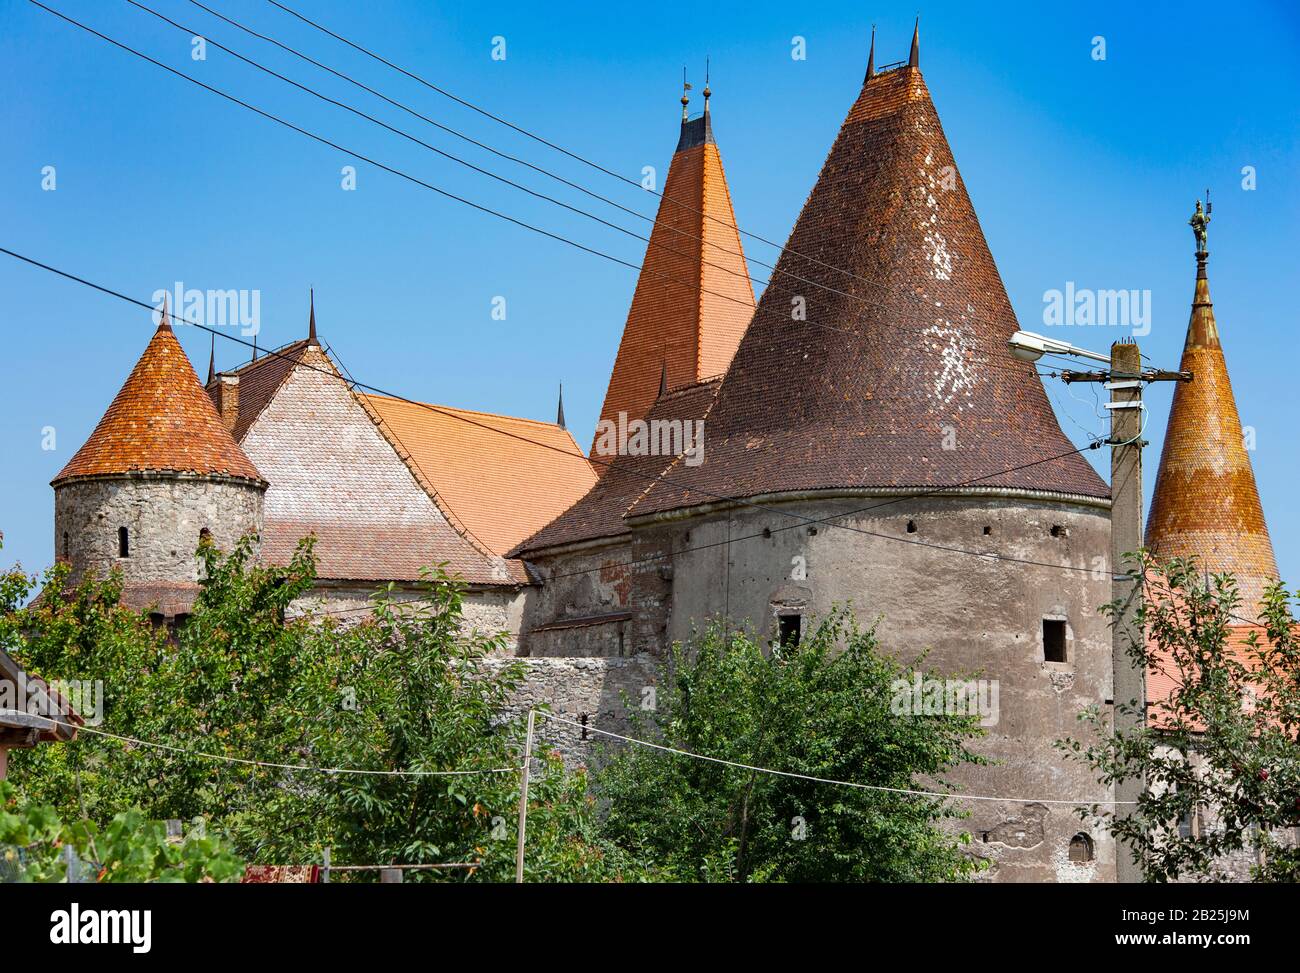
x=123 y=542
x=67 y=548
x=788 y=629
x=1053 y=640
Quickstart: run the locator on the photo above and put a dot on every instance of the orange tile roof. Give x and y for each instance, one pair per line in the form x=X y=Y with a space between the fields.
x=1206 y=504
x=487 y=472
x=160 y=421
x=693 y=299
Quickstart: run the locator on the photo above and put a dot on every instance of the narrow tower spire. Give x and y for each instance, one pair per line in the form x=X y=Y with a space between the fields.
x=663 y=378
x=163 y=320
x=212 y=361
x=311 y=323
x=707 y=90
x=871 y=57
x=914 y=59
x=559 y=412
x=686 y=99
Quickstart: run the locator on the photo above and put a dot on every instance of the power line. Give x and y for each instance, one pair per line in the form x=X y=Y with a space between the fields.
x=825 y=780
x=458 y=198
x=277 y=766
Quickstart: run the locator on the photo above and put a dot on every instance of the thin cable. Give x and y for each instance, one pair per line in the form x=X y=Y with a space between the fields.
x=827 y=780
x=275 y=766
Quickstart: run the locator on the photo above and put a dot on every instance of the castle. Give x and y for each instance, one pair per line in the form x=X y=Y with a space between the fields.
x=859 y=436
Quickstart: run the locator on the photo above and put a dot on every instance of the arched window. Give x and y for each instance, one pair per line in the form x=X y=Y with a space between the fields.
x=1081 y=848
x=205 y=537
x=123 y=543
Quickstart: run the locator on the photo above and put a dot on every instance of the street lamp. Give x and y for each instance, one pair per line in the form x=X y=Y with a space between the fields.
x=1030 y=347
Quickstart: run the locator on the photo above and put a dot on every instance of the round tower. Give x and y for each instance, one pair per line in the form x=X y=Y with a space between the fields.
x=160 y=475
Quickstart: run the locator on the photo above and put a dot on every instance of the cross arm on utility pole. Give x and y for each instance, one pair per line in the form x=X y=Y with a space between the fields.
x=1147 y=375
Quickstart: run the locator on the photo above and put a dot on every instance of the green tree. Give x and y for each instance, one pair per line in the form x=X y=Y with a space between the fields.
x=1221 y=749
x=821 y=709
x=37 y=846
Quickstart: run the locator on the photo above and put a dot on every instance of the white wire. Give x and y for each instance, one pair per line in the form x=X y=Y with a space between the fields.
x=826 y=780
x=275 y=766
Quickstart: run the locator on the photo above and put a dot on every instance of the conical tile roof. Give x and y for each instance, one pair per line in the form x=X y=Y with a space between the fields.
x=160 y=421
x=694 y=298
x=900 y=375
x=1206 y=504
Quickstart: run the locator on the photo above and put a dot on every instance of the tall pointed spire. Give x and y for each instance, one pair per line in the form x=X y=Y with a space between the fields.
x=694 y=298
x=164 y=321
x=707 y=90
x=559 y=412
x=254 y=346
x=212 y=361
x=663 y=379
x=914 y=59
x=1206 y=504
x=311 y=323
x=871 y=57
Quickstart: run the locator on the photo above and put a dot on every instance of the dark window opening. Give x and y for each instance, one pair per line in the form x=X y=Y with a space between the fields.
x=812 y=531
x=1059 y=531
x=66 y=547
x=987 y=530
x=205 y=537
x=788 y=629
x=584 y=726
x=123 y=543
x=911 y=526
x=1081 y=848
x=767 y=531
x=1053 y=640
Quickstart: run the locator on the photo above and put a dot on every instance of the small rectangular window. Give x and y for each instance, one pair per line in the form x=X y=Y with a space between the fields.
x=123 y=543
x=1054 y=640
x=788 y=629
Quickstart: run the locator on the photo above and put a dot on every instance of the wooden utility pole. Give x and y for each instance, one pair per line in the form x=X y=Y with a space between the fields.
x=523 y=800
x=1126 y=410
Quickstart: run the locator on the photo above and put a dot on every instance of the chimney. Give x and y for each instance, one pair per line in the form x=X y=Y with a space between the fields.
x=227 y=399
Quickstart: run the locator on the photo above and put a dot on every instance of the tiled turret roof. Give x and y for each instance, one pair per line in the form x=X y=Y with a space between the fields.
x=160 y=421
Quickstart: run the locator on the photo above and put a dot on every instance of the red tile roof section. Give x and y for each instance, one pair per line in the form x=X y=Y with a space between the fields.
x=1206 y=504
x=870 y=390
x=599 y=514
x=488 y=472
x=161 y=421
x=694 y=298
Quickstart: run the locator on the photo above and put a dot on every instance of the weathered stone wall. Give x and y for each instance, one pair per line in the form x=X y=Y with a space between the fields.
x=485 y=610
x=602 y=690
x=163 y=514
x=975 y=616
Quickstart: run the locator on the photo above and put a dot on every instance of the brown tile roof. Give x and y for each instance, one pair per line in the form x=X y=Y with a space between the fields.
x=870 y=389
x=1206 y=504
x=599 y=514
x=258 y=382
x=693 y=299
x=160 y=421
x=487 y=472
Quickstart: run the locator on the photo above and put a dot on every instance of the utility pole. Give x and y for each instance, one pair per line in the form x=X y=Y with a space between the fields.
x=1124 y=378
x=523 y=800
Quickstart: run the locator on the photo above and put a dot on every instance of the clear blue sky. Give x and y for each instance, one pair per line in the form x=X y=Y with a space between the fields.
x=1080 y=171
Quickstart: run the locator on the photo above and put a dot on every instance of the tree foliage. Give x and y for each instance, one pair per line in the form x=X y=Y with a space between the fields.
x=819 y=709
x=1220 y=754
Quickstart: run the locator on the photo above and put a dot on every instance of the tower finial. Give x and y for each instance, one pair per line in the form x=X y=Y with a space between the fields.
x=914 y=59
x=311 y=323
x=707 y=90
x=163 y=320
x=1200 y=223
x=686 y=99
x=871 y=57
x=663 y=378
x=254 y=346
x=212 y=361
x=559 y=412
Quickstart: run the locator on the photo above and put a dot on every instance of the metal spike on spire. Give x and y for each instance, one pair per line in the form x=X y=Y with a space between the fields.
x=163 y=320
x=871 y=57
x=559 y=412
x=707 y=90
x=914 y=59
x=663 y=378
x=686 y=99
x=212 y=361
x=254 y=346
x=311 y=323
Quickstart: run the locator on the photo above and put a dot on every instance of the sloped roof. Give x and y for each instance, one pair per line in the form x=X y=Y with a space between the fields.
x=1206 y=504
x=909 y=357
x=694 y=298
x=160 y=421
x=499 y=478
x=599 y=514
x=258 y=381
